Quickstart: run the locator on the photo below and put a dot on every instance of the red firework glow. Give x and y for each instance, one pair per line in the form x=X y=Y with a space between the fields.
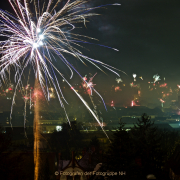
x=117 y=88
x=26 y=98
x=163 y=85
x=132 y=103
x=112 y=103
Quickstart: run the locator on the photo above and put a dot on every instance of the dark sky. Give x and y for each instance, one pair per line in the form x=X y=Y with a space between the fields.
x=146 y=32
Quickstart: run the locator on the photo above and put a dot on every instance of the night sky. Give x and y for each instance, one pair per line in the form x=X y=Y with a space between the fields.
x=146 y=32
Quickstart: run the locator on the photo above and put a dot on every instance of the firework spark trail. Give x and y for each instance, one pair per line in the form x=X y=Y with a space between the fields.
x=89 y=86
x=84 y=102
x=35 y=36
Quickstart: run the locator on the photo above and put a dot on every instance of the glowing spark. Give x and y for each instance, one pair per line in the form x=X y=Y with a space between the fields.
x=35 y=45
x=41 y=36
x=134 y=76
x=118 y=80
x=163 y=85
x=132 y=103
x=38 y=30
x=156 y=78
x=88 y=85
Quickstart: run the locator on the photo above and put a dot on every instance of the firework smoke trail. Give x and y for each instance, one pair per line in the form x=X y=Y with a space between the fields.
x=36 y=133
x=25 y=101
x=36 y=36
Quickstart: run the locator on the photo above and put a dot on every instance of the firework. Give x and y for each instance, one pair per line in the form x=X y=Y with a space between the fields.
x=41 y=36
x=89 y=86
x=163 y=85
x=162 y=102
x=117 y=88
x=156 y=78
x=134 y=76
x=118 y=80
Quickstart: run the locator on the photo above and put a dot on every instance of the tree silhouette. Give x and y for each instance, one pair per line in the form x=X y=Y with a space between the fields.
x=94 y=142
x=120 y=156
x=67 y=140
x=146 y=142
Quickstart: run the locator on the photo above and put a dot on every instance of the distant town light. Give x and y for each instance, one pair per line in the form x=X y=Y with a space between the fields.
x=58 y=128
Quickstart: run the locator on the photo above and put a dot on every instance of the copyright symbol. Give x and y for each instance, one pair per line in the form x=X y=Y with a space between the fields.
x=56 y=173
